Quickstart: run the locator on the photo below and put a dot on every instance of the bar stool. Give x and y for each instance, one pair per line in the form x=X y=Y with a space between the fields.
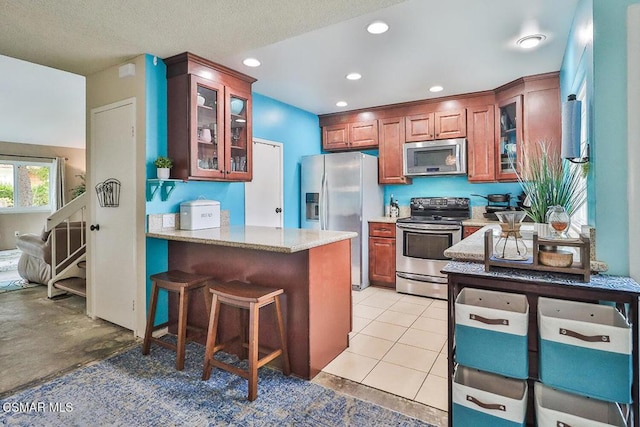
x=181 y=283
x=249 y=297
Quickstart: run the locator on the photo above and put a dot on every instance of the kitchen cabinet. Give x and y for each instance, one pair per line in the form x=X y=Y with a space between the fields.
x=419 y=127
x=391 y=133
x=508 y=150
x=480 y=144
x=623 y=293
x=382 y=254
x=468 y=230
x=350 y=136
x=450 y=124
x=436 y=125
x=209 y=129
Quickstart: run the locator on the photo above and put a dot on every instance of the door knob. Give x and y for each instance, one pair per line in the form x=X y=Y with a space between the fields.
x=94 y=227
x=278 y=210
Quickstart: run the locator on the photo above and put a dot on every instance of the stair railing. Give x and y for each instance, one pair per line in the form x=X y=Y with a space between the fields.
x=76 y=210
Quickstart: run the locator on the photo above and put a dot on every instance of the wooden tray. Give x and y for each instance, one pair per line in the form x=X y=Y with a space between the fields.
x=582 y=268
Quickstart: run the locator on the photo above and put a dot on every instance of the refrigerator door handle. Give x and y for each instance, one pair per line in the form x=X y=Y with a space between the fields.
x=326 y=201
x=322 y=203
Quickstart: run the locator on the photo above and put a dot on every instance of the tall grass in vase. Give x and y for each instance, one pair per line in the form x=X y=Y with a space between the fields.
x=548 y=180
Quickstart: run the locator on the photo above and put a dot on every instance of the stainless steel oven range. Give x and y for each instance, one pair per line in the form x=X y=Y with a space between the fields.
x=435 y=225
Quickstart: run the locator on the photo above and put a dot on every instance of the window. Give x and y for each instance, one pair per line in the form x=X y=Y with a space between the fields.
x=579 y=217
x=25 y=186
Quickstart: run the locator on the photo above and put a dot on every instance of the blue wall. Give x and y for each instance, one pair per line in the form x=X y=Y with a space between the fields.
x=604 y=63
x=299 y=132
x=454 y=186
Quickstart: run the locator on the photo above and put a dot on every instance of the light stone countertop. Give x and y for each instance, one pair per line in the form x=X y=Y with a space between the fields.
x=472 y=248
x=271 y=239
x=385 y=219
x=478 y=222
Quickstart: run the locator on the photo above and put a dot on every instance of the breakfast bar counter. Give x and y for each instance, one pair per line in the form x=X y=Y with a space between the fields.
x=312 y=266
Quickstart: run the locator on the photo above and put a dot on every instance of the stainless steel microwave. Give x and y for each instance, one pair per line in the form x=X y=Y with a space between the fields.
x=440 y=157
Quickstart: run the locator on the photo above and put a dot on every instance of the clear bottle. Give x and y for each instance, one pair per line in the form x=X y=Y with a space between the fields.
x=559 y=220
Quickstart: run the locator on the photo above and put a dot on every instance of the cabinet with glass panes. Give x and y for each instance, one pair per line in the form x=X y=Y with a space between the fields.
x=209 y=120
x=509 y=144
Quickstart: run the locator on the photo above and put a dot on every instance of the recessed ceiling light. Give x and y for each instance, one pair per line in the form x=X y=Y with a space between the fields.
x=341 y=104
x=251 y=62
x=354 y=76
x=436 y=89
x=378 y=27
x=529 y=42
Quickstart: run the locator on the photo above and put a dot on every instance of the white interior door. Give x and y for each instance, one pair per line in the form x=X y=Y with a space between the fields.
x=112 y=258
x=263 y=196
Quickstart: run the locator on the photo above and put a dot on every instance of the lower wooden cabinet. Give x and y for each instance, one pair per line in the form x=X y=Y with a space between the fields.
x=382 y=254
x=468 y=230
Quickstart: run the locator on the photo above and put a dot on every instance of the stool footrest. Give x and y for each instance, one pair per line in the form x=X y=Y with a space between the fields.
x=164 y=343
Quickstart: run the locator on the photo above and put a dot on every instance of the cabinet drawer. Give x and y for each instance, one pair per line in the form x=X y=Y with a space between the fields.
x=382 y=229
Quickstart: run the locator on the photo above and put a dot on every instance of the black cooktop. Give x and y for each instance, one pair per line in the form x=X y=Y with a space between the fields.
x=438 y=210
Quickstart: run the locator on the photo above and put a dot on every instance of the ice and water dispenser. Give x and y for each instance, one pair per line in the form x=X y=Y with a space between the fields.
x=313 y=210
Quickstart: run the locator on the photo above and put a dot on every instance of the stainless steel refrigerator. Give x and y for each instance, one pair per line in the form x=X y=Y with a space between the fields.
x=340 y=192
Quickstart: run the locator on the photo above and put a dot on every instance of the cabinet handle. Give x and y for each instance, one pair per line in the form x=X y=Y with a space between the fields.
x=489 y=321
x=491 y=406
x=577 y=335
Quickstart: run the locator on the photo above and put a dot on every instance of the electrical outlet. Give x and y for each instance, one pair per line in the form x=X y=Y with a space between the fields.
x=168 y=221
x=16 y=233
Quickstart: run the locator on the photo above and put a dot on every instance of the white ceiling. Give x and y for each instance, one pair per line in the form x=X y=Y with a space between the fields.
x=306 y=46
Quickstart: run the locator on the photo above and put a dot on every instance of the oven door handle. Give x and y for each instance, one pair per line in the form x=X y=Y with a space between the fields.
x=433 y=228
x=421 y=277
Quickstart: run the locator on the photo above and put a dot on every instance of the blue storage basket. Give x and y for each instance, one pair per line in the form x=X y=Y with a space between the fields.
x=491 y=332
x=585 y=349
x=481 y=399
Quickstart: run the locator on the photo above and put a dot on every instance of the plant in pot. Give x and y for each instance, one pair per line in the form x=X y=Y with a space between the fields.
x=164 y=165
x=548 y=181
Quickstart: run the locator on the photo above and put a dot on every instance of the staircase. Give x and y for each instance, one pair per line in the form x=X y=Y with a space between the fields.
x=68 y=275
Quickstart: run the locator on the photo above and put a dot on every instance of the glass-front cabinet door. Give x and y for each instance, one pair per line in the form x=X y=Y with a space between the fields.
x=239 y=145
x=509 y=148
x=207 y=128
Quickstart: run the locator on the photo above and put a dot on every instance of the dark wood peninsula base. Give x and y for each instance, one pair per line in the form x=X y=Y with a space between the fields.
x=316 y=302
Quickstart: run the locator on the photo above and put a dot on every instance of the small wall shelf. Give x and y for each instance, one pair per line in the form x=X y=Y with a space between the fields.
x=153 y=185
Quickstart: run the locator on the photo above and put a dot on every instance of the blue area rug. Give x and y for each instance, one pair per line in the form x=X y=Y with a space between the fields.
x=135 y=390
x=14 y=285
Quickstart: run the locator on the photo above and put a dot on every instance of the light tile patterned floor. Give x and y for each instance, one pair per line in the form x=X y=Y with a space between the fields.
x=398 y=345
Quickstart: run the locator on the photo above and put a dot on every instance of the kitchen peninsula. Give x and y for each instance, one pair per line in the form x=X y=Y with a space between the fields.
x=312 y=266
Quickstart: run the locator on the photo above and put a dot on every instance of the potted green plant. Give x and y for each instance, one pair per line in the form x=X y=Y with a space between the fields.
x=548 y=180
x=164 y=165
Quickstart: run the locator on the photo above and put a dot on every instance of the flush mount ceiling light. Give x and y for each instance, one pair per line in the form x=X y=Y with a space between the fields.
x=529 y=42
x=377 y=27
x=436 y=89
x=251 y=62
x=341 y=104
x=354 y=76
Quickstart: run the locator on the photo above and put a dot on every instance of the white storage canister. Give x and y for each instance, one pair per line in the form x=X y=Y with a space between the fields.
x=558 y=408
x=491 y=332
x=199 y=214
x=585 y=348
x=481 y=399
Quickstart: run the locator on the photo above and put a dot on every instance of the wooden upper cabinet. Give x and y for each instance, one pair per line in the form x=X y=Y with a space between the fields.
x=450 y=124
x=508 y=148
x=419 y=127
x=542 y=117
x=335 y=137
x=350 y=136
x=209 y=130
x=363 y=134
x=391 y=134
x=480 y=144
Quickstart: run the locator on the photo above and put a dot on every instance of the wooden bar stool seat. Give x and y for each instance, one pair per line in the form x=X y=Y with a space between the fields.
x=183 y=284
x=249 y=297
